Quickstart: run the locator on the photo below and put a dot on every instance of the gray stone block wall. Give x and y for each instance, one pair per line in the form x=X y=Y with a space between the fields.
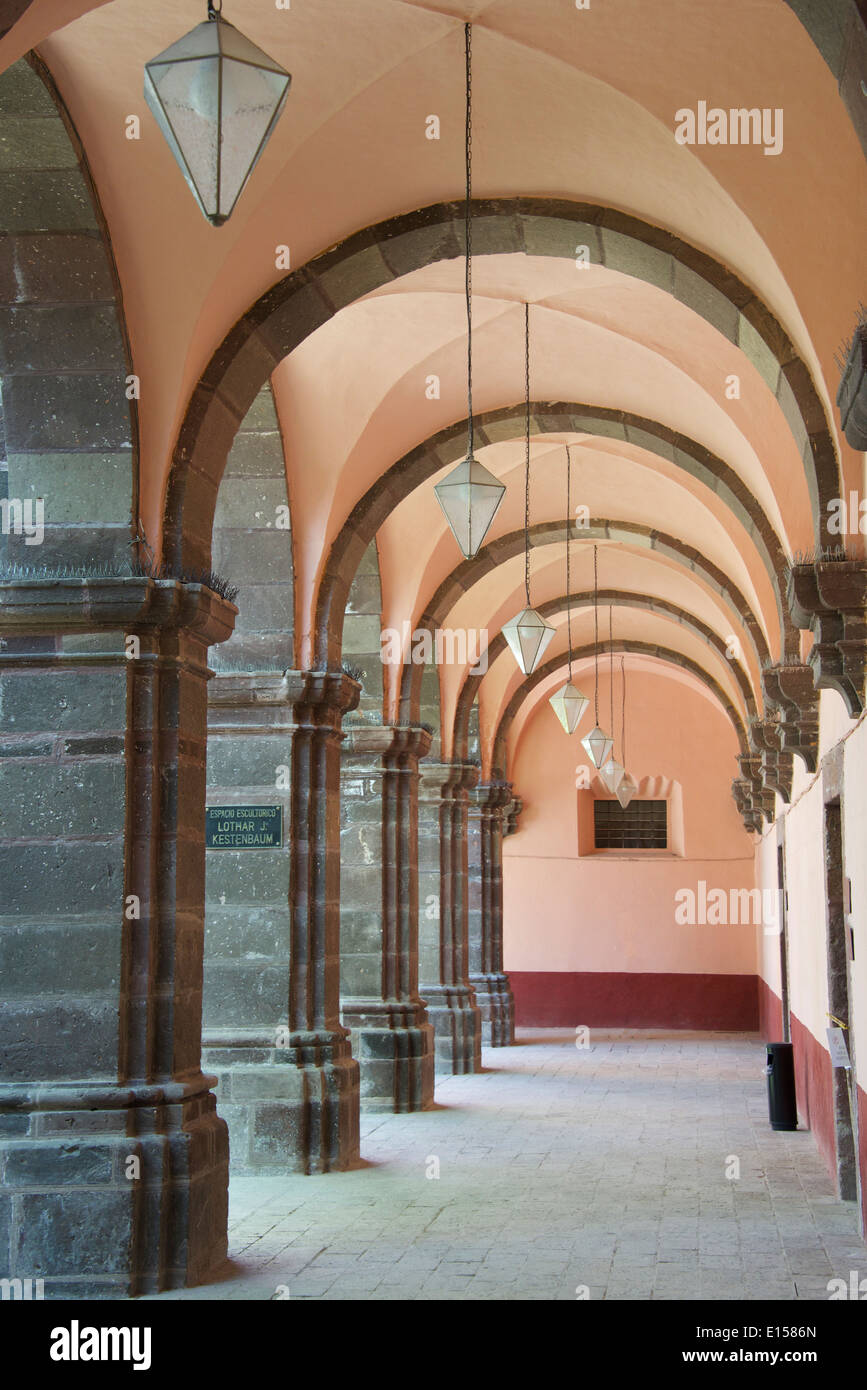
x=429 y=708
x=113 y=1162
x=62 y=813
x=68 y=432
x=252 y=545
x=362 y=626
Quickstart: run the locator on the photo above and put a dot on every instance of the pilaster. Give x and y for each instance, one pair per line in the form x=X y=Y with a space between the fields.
x=443 y=918
x=380 y=1002
x=487 y=808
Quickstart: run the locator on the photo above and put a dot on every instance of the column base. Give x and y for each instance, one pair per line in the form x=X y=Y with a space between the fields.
x=394 y=1045
x=292 y=1109
x=111 y=1192
x=457 y=1025
x=497 y=1007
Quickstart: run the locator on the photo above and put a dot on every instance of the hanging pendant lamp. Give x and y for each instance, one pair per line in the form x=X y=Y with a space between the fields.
x=216 y=98
x=568 y=703
x=613 y=772
x=470 y=495
x=597 y=745
x=628 y=785
x=527 y=634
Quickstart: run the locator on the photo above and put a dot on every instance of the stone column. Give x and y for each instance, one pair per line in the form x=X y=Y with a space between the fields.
x=321 y=1129
x=443 y=916
x=114 y=1160
x=246 y=970
x=391 y=1036
x=288 y=1084
x=488 y=804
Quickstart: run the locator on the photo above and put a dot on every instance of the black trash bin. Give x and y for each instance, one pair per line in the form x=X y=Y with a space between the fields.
x=780 y=1071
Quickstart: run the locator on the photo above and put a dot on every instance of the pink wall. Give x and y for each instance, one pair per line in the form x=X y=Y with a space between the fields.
x=571 y=915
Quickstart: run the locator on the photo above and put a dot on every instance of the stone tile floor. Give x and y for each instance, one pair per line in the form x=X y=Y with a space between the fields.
x=559 y=1168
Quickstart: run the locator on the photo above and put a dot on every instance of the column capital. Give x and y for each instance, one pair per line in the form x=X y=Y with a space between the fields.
x=511 y=815
x=466 y=776
x=742 y=791
x=410 y=740
x=759 y=800
x=384 y=745
x=329 y=692
x=491 y=796
x=776 y=762
x=789 y=688
x=435 y=779
x=247 y=690
x=442 y=780
x=131 y=604
x=828 y=596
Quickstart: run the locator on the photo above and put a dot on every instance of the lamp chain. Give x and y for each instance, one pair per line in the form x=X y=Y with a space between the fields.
x=527 y=486
x=623 y=719
x=611 y=662
x=568 y=585
x=596 y=635
x=468 y=233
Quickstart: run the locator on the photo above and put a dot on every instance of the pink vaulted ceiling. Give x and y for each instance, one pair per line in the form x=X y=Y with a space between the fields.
x=679 y=680
x=634 y=573
x=352 y=399
x=569 y=103
x=504 y=677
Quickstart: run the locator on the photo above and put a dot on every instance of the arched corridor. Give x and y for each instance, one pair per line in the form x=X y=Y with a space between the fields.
x=392 y=394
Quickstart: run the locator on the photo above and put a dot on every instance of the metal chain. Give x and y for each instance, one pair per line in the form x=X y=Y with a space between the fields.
x=623 y=718
x=568 y=584
x=596 y=634
x=468 y=233
x=611 y=664
x=527 y=486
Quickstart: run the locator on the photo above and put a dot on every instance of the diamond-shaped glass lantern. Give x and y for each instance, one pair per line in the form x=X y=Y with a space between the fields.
x=612 y=774
x=528 y=635
x=626 y=790
x=216 y=98
x=569 y=705
x=598 y=746
x=469 y=497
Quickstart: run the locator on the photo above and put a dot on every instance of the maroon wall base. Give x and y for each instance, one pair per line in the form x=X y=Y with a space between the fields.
x=813 y=1074
x=546 y=999
x=814 y=1088
x=770 y=1014
x=813 y=1084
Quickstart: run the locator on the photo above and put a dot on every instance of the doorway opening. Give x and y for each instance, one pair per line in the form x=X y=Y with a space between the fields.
x=838 y=999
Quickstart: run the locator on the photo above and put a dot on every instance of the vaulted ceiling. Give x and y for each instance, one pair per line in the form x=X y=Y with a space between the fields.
x=570 y=105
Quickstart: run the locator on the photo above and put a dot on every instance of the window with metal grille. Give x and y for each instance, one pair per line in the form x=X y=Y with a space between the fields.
x=640 y=825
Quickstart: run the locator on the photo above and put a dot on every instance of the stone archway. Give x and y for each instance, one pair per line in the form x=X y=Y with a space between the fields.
x=552 y=533
x=618 y=645
x=448 y=445
x=620 y=599
x=305 y=299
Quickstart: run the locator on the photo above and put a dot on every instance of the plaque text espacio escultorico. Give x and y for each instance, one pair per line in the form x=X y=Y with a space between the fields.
x=243 y=827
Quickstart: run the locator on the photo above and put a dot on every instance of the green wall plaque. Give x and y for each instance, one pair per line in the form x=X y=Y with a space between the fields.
x=243 y=827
